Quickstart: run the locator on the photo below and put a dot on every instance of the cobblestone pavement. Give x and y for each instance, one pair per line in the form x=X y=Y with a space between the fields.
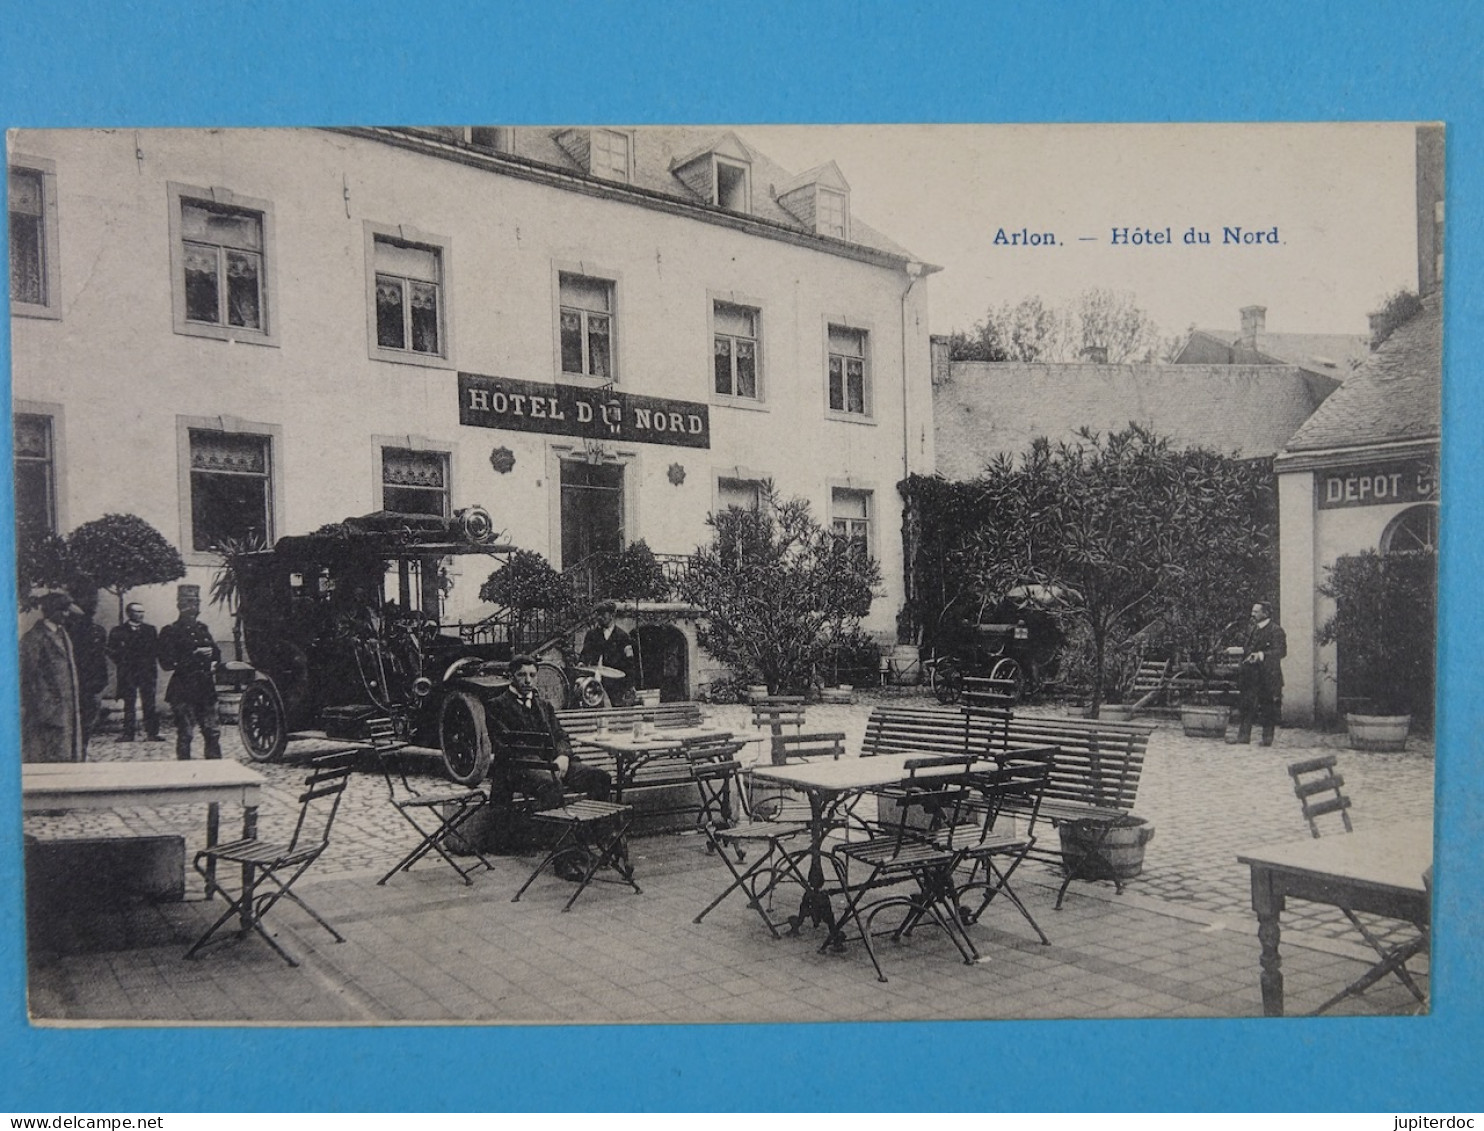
x=1181 y=941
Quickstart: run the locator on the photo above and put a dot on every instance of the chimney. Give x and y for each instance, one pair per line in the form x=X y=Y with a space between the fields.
x=1097 y=355
x=1254 y=321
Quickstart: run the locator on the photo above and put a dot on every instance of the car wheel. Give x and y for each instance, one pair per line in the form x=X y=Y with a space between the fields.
x=464 y=738
x=946 y=682
x=1009 y=673
x=261 y=722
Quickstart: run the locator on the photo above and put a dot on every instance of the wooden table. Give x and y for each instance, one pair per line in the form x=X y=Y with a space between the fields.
x=630 y=752
x=827 y=783
x=124 y=785
x=1378 y=871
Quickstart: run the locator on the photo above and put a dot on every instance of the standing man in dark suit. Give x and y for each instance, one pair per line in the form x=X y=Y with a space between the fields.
x=132 y=646
x=187 y=649
x=90 y=654
x=612 y=647
x=50 y=727
x=1260 y=680
x=525 y=726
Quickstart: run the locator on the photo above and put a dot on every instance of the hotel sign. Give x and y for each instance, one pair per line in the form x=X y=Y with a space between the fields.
x=576 y=410
x=1377 y=484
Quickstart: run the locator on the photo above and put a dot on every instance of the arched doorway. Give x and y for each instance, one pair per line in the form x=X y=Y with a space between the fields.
x=1416 y=528
x=663 y=655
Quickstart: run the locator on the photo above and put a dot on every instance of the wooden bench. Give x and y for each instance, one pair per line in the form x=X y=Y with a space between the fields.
x=664 y=770
x=1094 y=771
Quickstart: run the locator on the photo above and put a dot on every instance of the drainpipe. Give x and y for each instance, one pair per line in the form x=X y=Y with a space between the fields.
x=914 y=272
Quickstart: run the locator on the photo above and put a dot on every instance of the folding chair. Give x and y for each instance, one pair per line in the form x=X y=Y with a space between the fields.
x=591 y=831
x=719 y=783
x=437 y=816
x=279 y=863
x=774 y=715
x=1009 y=798
x=906 y=854
x=1314 y=779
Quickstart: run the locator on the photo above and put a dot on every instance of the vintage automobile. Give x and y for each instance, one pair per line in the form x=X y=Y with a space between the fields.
x=1016 y=647
x=344 y=625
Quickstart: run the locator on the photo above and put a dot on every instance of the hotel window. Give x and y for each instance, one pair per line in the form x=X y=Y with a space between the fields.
x=414 y=482
x=33 y=242
x=223 y=264
x=610 y=155
x=585 y=317
x=850 y=516
x=35 y=473
x=744 y=494
x=848 y=372
x=409 y=300
x=735 y=332
x=231 y=488
x=830 y=216
x=221 y=259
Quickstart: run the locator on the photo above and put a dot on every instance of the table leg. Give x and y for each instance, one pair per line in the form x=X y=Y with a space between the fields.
x=815 y=904
x=213 y=835
x=1267 y=902
x=249 y=876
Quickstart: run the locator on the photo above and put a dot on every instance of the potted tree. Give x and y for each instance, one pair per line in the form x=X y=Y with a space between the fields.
x=1383 y=626
x=119 y=552
x=526 y=586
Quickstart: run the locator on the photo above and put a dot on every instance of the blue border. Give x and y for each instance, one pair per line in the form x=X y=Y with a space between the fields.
x=303 y=63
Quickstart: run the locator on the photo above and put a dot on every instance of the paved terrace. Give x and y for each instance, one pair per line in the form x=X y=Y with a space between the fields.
x=1180 y=942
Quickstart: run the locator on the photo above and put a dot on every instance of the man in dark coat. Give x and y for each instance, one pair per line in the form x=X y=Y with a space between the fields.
x=132 y=648
x=1260 y=679
x=612 y=647
x=50 y=727
x=90 y=654
x=524 y=726
x=187 y=649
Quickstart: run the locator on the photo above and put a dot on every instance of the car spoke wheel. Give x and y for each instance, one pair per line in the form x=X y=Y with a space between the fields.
x=1009 y=674
x=261 y=722
x=946 y=681
x=464 y=737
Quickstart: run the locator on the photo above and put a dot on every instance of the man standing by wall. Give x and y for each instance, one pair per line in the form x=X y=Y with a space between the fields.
x=612 y=647
x=132 y=648
x=1260 y=681
x=187 y=649
x=50 y=730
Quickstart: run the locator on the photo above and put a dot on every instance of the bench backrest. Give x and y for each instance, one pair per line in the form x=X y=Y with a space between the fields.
x=1097 y=763
x=584 y=720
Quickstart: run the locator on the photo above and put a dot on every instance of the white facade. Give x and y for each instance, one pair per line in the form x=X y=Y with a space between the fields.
x=124 y=377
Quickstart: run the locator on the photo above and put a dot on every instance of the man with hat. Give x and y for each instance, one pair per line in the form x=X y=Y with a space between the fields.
x=187 y=650
x=609 y=646
x=89 y=656
x=132 y=646
x=51 y=728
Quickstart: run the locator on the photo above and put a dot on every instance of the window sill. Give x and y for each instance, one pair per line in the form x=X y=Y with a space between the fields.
x=583 y=381
x=35 y=310
x=407 y=357
x=746 y=404
x=238 y=335
x=849 y=417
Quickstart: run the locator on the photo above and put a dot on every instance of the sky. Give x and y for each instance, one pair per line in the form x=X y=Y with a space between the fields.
x=1342 y=197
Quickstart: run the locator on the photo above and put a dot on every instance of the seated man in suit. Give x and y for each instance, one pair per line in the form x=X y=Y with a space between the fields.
x=524 y=728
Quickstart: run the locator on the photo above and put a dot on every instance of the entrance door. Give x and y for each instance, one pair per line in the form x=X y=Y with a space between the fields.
x=592 y=510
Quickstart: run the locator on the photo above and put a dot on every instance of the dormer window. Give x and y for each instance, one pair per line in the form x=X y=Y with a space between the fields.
x=829 y=217
x=605 y=153
x=610 y=155
x=820 y=200
x=719 y=173
x=733 y=186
